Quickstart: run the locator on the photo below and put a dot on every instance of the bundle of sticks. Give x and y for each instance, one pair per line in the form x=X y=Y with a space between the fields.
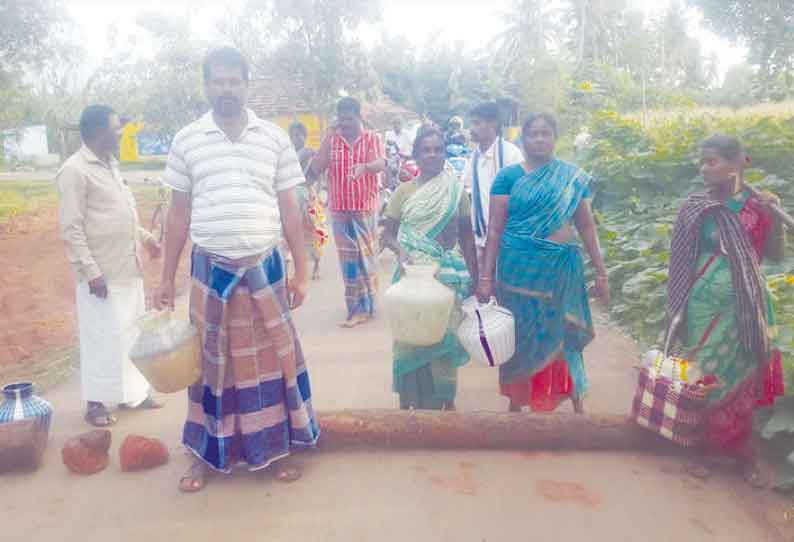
x=778 y=211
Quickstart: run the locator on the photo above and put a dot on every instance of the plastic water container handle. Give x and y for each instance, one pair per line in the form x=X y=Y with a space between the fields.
x=483 y=339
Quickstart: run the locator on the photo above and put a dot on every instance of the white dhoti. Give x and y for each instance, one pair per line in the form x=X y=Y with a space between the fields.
x=107 y=333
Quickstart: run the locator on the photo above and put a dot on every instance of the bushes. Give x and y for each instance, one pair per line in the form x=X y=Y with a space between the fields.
x=641 y=177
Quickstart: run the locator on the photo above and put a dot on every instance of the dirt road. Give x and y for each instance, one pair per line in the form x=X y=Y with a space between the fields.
x=37 y=284
x=381 y=496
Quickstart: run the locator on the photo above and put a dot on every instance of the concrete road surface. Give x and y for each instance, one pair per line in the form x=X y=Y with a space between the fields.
x=384 y=496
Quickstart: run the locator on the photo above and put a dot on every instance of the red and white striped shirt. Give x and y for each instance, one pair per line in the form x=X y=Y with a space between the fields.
x=347 y=194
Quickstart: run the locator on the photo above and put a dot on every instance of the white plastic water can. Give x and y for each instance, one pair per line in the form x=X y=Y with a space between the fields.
x=488 y=332
x=419 y=307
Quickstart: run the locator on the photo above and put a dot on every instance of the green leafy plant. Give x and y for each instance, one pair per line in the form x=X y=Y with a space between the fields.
x=641 y=177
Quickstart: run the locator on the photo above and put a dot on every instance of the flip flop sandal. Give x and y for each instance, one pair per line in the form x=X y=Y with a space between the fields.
x=288 y=475
x=98 y=416
x=194 y=480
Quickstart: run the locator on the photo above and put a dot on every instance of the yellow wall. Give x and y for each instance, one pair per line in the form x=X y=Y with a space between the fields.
x=314 y=124
x=512 y=132
x=128 y=147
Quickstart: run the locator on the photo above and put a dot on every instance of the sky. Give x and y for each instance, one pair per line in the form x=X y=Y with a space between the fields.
x=473 y=22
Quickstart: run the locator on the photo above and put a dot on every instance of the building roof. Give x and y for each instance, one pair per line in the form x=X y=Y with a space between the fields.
x=281 y=96
x=276 y=96
x=380 y=114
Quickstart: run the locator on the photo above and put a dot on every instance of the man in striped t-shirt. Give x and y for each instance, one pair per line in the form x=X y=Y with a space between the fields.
x=233 y=178
x=354 y=159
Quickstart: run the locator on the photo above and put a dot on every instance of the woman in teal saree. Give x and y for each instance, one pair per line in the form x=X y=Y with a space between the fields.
x=540 y=273
x=428 y=220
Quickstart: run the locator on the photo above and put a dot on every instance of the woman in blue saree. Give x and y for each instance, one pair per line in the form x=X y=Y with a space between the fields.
x=535 y=207
x=428 y=221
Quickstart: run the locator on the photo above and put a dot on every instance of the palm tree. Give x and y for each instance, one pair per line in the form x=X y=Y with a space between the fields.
x=596 y=28
x=530 y=28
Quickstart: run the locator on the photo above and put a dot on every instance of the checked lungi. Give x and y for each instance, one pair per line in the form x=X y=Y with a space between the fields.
x=253 y=401
x=354 y=235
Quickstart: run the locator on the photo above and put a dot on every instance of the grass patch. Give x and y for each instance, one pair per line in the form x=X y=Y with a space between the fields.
x=153 y=164
x=20 y=197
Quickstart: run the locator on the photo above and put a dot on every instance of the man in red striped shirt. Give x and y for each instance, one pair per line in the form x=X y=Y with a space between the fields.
x=354 y=159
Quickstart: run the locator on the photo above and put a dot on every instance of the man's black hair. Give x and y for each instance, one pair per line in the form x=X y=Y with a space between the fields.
x=93 y=119
x=487 y=111
x=298 y=127
x=348 y=105
x=225 y=56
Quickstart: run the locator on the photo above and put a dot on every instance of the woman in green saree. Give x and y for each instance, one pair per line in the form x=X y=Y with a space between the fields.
x=717 y=291
x=428 y=220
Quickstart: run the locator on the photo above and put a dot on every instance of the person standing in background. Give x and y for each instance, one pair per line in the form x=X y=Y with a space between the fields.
x=99 y=223
x=492 y=154
x=401 y=138
x=455 y=134
x=428 y=222
x=354 y=159
x=315 y=230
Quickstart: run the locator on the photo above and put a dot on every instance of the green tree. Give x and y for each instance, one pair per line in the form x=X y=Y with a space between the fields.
x=394 y=61
x=38 y=60
x=164 y=91
x=681 y=63
x=595 y=28
x=530 y=28
x=738 y=88
x=24 y=27
x=312 y=39
x=766 y=27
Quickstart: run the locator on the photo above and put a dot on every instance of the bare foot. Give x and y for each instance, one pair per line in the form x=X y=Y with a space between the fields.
x=699 y=470
x=755 y=476
x=288 y=475
x=195 y=478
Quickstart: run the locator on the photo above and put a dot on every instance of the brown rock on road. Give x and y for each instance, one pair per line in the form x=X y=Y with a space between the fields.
x=384 y=496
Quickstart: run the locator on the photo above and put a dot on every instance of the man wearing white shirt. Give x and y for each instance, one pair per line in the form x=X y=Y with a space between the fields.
x=401 y=138
x=492 y=154
x=233 y=178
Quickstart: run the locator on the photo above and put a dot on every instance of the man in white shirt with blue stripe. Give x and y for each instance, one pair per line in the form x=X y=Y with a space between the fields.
x=492 y=154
